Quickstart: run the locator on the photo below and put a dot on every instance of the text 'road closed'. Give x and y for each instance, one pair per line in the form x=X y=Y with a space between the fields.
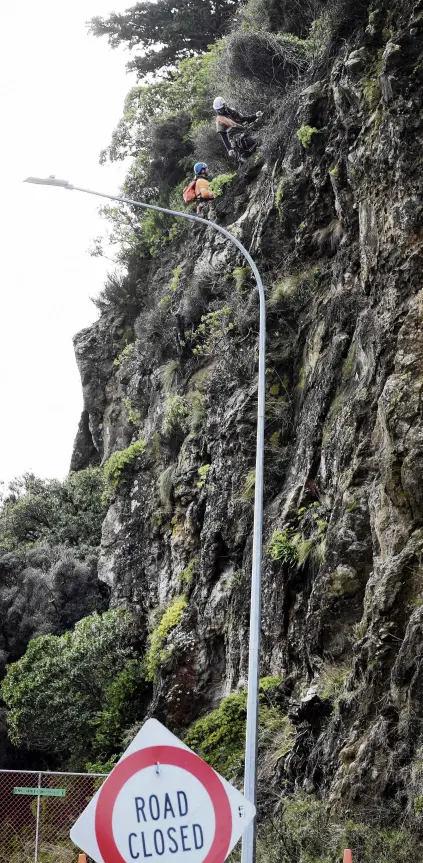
x=178 y=838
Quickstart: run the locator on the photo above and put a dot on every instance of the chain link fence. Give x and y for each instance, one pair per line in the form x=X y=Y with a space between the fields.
x=37 y=811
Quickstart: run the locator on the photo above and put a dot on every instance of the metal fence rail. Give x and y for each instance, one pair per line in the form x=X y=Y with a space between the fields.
x=37 y=811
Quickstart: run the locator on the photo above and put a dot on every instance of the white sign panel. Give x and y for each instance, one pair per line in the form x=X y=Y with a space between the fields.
x=162 y=804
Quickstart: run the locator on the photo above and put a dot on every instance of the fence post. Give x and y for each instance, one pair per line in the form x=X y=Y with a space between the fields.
x=348 y=856
x=37 y=825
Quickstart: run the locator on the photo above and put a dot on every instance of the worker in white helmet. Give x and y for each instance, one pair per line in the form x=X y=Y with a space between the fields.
x=229 y=123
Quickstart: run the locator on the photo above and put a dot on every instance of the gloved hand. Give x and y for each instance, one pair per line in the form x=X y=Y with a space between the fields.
x=232 y=154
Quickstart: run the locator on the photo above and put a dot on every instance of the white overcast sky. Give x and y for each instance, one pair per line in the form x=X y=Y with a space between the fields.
x=62 y=94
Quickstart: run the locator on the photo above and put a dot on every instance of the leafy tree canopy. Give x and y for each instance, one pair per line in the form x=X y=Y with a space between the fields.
x=156 y=130
x=166 y=31
x=44 y=590
x=52 y=512
x=49 y=537
x=73 y=696
x=186 y=94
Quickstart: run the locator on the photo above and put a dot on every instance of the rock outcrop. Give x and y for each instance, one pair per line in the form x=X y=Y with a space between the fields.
x=337 y=230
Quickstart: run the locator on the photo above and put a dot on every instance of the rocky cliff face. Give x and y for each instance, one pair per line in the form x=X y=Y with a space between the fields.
x=336 y=228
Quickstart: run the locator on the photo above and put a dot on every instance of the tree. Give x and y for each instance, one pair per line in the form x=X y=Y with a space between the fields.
x=156 y=130
x=166 y=31
x=44 y=591
x=53 y=512
x=68 y=690
x=186 y=93
x=49 y=537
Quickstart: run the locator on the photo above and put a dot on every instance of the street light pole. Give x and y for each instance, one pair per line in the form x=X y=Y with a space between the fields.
x=250 y=775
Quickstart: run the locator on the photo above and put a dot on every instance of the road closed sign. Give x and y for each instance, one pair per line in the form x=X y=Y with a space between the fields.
x=162 y=804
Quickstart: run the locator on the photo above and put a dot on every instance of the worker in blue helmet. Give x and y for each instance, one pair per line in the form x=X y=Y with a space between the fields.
x=199 y=188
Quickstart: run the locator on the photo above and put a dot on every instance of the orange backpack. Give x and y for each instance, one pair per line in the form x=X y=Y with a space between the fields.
x=189 y=193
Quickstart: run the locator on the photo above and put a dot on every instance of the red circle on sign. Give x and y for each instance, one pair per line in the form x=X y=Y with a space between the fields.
x=175 y=757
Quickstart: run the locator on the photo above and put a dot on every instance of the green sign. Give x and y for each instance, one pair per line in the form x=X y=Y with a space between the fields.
x=41 y=792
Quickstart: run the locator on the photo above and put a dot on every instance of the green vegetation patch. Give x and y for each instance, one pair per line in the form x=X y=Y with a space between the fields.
x=134 y=416
x=284 y=289
x=206 y=339
x=296 y=287
x=240 y=275
x=74 y=694
x=184 y=413
x=249 y=487
x=176 y=275
x=124 y=701
x=219 y=737
x=187 y=575
x=202 y=473
x=51 y=512
x=116 y=467
x=305 y=831
x=372 y=92
x=305 y=533
x=157 y=652
x=126 y=354
x=282 y=548
x=166 y=301
x=176 y=411
x=305 y=134
x=332 y=680
x=218 y=184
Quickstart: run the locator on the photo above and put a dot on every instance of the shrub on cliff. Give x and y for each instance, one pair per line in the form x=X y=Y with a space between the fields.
x=269 y=60
x=45 y=595
x=208 y=147
x=219 y=737
x=119 y=292
x=117 y=468
x=157 y=652
x=53 y=512
x=157 y=130
x=49 y=536
x=305 y=831
x=73 y=696
x=188 y=92
x=291 y=16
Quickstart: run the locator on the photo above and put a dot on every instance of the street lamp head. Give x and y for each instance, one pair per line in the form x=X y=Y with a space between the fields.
x=49 y=181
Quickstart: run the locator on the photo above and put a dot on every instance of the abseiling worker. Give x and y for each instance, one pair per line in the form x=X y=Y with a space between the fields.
x=227 y=119
x=199 y=188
